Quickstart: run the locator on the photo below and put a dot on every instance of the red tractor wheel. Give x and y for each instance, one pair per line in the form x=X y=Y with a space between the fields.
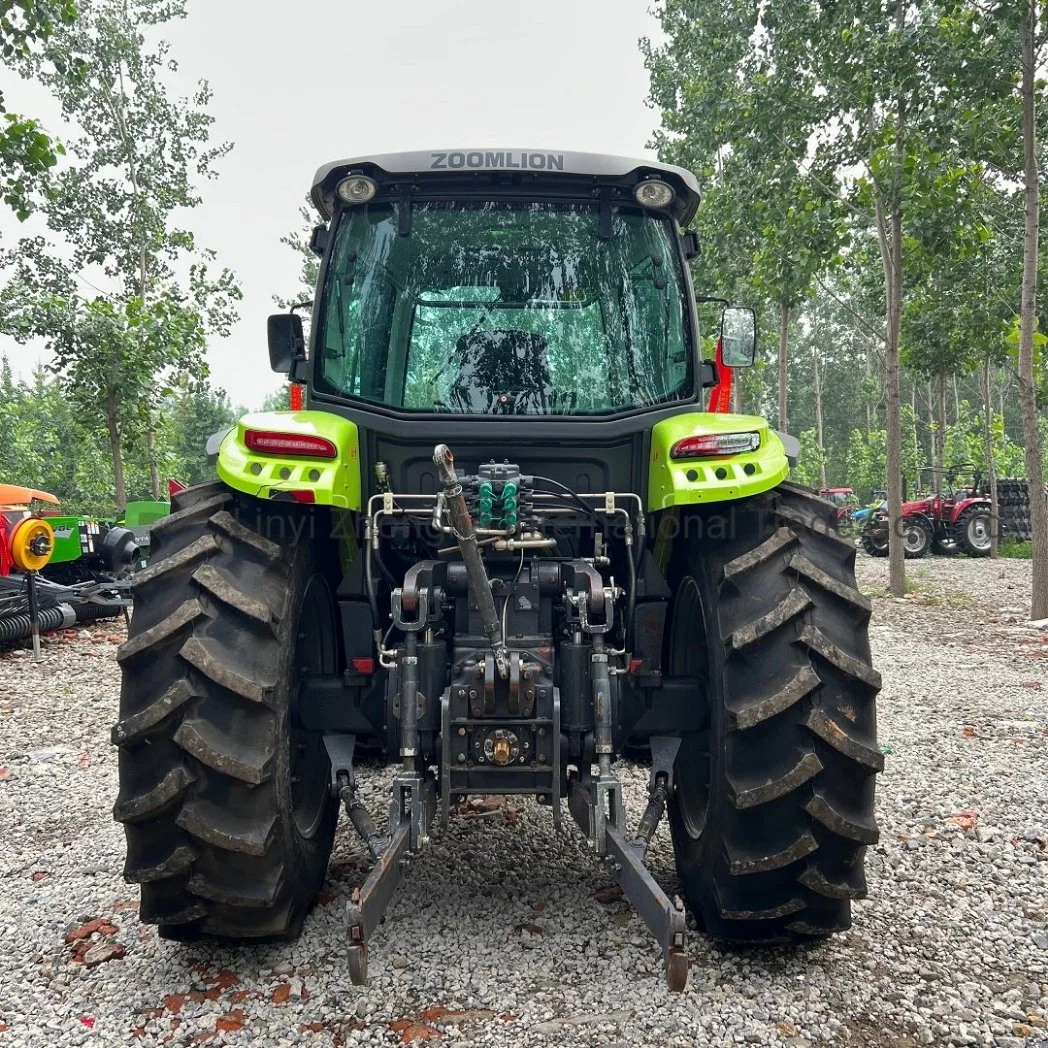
x=972 y=530
x=917 y=537
x=874 y=536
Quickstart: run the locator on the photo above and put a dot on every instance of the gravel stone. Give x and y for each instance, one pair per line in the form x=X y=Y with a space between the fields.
x=950 y=948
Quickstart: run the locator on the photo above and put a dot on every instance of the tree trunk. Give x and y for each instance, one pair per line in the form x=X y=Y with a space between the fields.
x=940 y=434
x=890 y=242
x=896 y=551
x=113 y=426
x=991 y=462
x=1028 y=323
x=915 y=417
x=956 y=403
x=784 y=338
x=737 y=392
x=869 y=401
x=818 y=416
x=154 y=473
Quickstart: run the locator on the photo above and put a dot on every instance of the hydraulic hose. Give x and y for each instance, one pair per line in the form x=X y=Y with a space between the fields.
x=631 y=596
x=369 y=586
x=17 y=627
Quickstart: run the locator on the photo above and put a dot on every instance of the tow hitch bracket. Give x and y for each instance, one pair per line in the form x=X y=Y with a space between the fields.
x=410 y=814
x=596 y=805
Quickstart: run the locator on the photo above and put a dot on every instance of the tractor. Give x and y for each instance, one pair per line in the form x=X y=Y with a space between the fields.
x=956 y=516
x=503 y=535
x=842 y=498
x=846 y=502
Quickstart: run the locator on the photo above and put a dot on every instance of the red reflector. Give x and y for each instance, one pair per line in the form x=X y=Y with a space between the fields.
x=715 y=444
x=295 y=396
x=300 y=495
x=301 y=444
x=363 y=665
x=635 y=664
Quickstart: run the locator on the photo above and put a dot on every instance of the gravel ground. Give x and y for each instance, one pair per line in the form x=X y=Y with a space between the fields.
x=502 y=934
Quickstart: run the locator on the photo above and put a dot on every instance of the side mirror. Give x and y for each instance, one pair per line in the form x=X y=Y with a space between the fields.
x=739 y=337
x=286 y=341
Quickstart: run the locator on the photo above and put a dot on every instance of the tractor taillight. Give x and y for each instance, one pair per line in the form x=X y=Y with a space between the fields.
x=295 y=444
x=711 y=444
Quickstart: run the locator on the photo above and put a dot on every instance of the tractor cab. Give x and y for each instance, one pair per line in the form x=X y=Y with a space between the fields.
x=843 y=498
x=508 y=286
x=472 y=284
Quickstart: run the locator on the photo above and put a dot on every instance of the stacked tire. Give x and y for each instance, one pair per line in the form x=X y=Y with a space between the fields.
x=1013 y=495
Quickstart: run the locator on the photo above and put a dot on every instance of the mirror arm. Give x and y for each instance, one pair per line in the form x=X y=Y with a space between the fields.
x=707 y=373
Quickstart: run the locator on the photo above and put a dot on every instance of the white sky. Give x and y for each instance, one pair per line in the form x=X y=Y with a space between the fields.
x=378 y=77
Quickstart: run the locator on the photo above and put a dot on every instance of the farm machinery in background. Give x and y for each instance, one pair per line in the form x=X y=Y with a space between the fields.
x=141 y=514
x=956 y=517
x=58 y=569
x=845 y=501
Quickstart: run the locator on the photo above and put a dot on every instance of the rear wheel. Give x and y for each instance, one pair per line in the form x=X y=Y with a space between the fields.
x=874 y=537
x=773 y=803
x=917 y=537
x=973 y=532
x=223 y=794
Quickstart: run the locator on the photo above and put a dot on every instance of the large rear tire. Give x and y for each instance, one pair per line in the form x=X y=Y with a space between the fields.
x=917 y=537
x=773 y=805
x=224 y=798
x=874 y=538
x=973 y=531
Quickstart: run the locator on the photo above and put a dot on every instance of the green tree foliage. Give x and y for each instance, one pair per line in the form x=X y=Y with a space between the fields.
x=865 y=462
x=736 y=106
x=51 y=446
x=27 y=152
x=298 y=240
x=904 y=121
x=113 y=214
x=189 y=416
x=810 y=459
x=278 y=400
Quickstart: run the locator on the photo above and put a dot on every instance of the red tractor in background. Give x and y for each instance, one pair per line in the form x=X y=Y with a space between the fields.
x=957 y=520
x=843 y=498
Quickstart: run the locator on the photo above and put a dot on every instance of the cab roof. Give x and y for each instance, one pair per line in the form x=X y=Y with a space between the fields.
x=536 y=165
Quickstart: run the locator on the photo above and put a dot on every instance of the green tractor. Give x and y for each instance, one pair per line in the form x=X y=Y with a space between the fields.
x=504 y=538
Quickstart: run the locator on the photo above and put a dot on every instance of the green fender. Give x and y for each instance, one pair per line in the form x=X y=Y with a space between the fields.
x=723 y=478
x=270 y=474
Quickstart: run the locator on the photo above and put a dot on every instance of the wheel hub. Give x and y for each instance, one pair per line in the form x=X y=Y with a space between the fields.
x=979 y=532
